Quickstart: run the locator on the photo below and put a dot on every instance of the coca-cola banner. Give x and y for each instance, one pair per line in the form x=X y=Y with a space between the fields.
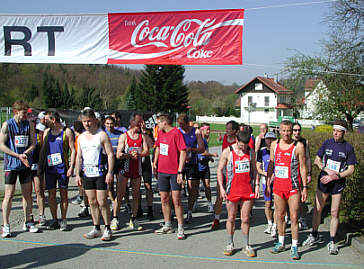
x=182 y=37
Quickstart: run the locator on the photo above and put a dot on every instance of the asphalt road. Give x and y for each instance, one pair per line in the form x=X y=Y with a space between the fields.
x=203 y=248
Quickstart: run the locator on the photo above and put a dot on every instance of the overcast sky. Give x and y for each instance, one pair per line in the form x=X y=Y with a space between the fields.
x=272 y=30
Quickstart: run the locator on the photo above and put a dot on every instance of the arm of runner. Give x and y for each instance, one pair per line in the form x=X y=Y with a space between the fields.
x=42 y=153
x=201 y=145
x=331 y=175
x=121 y=146
x=71 y=145
x=78 y=163
x=348 y=172
x=301 y=154
x=258 y=142
x=33 y=141
x=155 y=161
x=181 y=164
x=105 y=142
x=145 y=147
x=308 y=163
x=270 y=170
x=220 y=176
x=255 y=175
x=260 y=170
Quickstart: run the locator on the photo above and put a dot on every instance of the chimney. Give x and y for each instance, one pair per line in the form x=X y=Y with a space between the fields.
x=276 y=78
x=265 y=75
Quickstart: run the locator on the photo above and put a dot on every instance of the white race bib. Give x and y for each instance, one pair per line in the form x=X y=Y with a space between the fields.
x=21 y=141
x=164 y=149
x=242 y=166
x=54 y=159
x=281 y=171
x=333 y=165
x=91 y=171
x=34 y=167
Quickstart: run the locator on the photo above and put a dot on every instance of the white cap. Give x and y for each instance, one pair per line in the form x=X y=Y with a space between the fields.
x=40 y=127
x=41 y=115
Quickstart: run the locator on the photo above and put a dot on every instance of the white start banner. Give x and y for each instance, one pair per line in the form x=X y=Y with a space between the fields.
x=206 y=37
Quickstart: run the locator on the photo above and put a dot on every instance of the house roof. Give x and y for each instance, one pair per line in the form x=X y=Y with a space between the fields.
x=270 y=83
x=310 y=84
x=238 y=102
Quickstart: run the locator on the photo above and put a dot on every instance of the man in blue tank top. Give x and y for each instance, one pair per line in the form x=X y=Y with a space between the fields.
x=17 y=141
x=58 y=144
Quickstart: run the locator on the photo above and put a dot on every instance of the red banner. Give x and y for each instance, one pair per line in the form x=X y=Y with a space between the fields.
x=208 y=37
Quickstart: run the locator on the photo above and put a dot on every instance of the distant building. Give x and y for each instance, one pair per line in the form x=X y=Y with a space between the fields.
x=264 y=99
x=314 y=89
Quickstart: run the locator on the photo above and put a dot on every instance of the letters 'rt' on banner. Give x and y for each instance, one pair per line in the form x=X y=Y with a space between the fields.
x=208 y=37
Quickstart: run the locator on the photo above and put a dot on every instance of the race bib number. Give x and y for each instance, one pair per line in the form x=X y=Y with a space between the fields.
x=54 y=159
x=164 y=149
x=91 y=171
x=281 y=171
x=333 y=165
x=242 y=166
x=21 y=141
x=34 y=167
x=131 y=149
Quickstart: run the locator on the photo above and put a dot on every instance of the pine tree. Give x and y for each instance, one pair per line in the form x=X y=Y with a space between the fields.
x=132 y=92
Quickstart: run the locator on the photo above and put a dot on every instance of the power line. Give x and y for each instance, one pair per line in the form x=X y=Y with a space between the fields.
x=293 y=5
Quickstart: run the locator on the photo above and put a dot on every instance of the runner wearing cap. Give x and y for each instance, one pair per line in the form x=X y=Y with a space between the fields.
x=17 y=142
x=263 y=157
x=336 y=160
x=260 y=141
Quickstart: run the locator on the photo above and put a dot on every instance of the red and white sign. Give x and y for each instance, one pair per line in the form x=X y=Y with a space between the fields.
x=208 y=37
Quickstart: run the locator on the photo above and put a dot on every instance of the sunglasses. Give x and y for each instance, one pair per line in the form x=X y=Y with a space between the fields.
x=296 y=130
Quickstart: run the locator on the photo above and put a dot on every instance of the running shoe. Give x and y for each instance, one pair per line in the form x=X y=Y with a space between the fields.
x=194 y=207
x=107 y=235
x=164 y=230
x=278 y=247
x=30 y=227
x=310 y=241
x=274 y=231
x=249 y=251
x=228 y=251
x=332 y=248
x=84 y=212
x=53 y=225
x=269 y=229
x=115 y=225
x=181 y=234
x=294 y=253
x=189 y=219
x=133 y=224
x=210 y=208
x=6 y=231
x=92 y=234
x=215 y=225
x=42 y=221
x=64 y=226
x=77 y=200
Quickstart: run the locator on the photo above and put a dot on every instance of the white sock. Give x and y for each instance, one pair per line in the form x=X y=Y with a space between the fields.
x=168 y=224
x=281 y=239
x=270 y=222
x=180 y=227
x=294 y=243
x=275 y=225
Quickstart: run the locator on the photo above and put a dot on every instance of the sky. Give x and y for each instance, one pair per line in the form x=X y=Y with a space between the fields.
x=273 y=29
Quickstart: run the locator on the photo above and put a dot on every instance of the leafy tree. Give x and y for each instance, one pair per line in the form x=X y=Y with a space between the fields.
x=131 y=95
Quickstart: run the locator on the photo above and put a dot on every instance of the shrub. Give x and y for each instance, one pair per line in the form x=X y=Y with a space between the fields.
x=324 y=128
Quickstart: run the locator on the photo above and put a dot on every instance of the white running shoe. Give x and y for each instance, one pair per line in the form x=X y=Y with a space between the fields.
x=29 y=227
x=6 y=231
x=181 y=234
x=107 y=235
x=92 y=234
x=164 y=230
x=249 y=251
x=133 y=224
x=228 y=251
x=42 y=221
x=210 y=208
x=310 y=241
x=114 y=224
x=64 y=226
x=332 y=248
x=269 y=229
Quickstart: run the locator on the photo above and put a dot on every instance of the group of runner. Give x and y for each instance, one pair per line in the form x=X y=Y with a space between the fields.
x=105 y=152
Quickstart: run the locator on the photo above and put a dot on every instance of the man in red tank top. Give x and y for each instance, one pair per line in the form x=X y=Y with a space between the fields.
x=232 y=127
x=241 y=171
x=288 y=162
x=132 y=146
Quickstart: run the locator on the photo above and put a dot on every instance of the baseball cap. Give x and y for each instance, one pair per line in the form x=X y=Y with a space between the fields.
x=270 y=135
x=41 y=115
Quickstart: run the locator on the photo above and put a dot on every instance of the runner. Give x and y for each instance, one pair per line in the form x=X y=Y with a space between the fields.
x=169 y=160
x=132 y=147
x=232 y=127
x=263 y=157
x=203 y=165
x=287 y=159
x=336 y=160
x=17 y=141
x=260 y=141
x=116 y=115
x=91 y=169
x=194 y=145
x=297 y=129
x=241 y=171
x=58 y=144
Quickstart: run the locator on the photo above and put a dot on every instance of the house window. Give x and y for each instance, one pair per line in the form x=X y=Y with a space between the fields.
x=258 y=86
x=250 y=100
x=266 y=110
x=266 y=100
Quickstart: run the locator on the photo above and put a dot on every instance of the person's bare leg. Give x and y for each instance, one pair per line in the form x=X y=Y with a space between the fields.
x=94 y=206
x=101 y=196
x=8 y=198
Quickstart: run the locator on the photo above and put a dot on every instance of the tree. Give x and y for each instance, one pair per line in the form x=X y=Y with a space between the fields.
x=132 y=92
x=161 y=88
x=339 y=66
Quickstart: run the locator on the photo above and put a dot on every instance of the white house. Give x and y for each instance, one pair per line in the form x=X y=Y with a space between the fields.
x=314 y=88
x=263 y=99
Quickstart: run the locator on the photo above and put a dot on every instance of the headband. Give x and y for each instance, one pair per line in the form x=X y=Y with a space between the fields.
x=204 y=127
x=339 y=127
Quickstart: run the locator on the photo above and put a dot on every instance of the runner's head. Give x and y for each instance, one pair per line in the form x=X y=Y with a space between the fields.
x=205 y=129
x=263 y=128
x=339 y=129
x=285 y=130
x=52 y=118
x=110 y=124
x=78 y=127
x=183 y=121
x=296 y=128
x=243 y=138
x=232 y=127
x=269 y=138
x=116 y=115
x=20 y=110
x=164 y=121
x=89 y=120
x=136 y=120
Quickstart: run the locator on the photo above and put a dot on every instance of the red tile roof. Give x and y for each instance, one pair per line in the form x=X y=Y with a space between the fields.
x=270 y=83
x=283 y=106
x=310 y=84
